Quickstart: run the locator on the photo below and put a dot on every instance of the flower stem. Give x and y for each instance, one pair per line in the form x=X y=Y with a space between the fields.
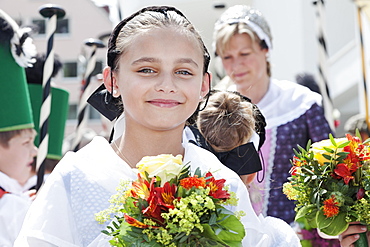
x=362 y=241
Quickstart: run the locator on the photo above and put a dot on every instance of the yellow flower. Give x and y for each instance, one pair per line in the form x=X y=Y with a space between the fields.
x=165 y=166
x=290 y=192
x=318 y=148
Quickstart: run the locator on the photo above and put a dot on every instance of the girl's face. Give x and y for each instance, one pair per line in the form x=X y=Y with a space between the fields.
x=244 y=60
x=160 y=79
x=16 y=159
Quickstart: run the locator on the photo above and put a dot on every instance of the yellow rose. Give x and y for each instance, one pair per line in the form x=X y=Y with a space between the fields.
x=165 y=166
x=318 y=148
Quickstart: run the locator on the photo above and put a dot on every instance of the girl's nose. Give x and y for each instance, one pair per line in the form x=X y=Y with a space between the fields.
x=166 y=84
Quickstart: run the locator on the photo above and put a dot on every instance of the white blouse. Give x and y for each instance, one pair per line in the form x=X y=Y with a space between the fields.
x=81 y=184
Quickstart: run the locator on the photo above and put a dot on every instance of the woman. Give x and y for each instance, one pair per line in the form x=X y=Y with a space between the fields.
x=293 y=113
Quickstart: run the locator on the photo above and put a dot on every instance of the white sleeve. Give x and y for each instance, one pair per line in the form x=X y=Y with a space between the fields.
x=52 y=202
x=13 y=209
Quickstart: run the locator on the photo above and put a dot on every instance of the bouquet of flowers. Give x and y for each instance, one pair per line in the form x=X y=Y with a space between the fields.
x=167 y=206
x=330 y=183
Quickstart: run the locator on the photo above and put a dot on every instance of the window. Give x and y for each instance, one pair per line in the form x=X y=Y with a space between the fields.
x=40 y=23
x=72 y=112
x=92 y=112
x=98 y=68
x=70 y=69
x=62 y=26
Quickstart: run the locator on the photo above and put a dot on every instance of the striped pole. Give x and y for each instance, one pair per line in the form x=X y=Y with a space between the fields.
x=323 y=67
x=51 y=12
x=363 y=66
x=86 y=91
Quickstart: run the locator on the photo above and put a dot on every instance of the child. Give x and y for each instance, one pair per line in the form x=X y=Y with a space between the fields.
x=227 y=124
x=158 y=64
x=17 y=150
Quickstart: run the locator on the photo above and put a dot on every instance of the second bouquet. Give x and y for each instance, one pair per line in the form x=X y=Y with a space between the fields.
x=330 y=183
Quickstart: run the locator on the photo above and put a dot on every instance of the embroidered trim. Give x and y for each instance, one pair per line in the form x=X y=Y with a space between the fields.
x=269 y=168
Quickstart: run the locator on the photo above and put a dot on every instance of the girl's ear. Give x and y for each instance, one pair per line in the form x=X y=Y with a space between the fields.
x=110 y=81
x=206 y=84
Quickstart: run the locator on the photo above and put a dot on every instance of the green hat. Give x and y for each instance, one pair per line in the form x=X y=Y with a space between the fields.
x=15 y=113
x=57 y=117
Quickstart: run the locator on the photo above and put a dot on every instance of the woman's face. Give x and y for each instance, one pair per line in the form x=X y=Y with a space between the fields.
x=160 y=79
x=244 y=61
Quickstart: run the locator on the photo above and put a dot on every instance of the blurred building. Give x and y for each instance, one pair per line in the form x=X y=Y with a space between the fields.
x=83 y=20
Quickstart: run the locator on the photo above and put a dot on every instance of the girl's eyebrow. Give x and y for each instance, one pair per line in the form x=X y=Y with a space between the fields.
x=146 y=59
x=186 y=60
x=156 y=60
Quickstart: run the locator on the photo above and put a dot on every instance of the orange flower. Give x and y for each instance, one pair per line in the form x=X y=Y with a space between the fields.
x=134 y=222
x=140 y=188
x=330 y=207
x=298 y=162
x=191 y=182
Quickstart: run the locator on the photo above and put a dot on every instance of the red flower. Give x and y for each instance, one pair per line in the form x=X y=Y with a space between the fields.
x=153 y=210
x=360 y=194
x=216 y=187
x=330 y=207
x=345 y=171
x=357 y=151
x=293 y=170
x=165 y=196
x=191 y=182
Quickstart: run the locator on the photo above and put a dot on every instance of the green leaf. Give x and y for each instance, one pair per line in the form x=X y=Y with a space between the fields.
x=344 y=144
x=231 y=229
x=213 y=219
x=198 y=172
x=322 y=220
x=337 y=226
x=326 y=156
x=308 y=144
x=308 y=213
x=332 y=140
x=329 y=150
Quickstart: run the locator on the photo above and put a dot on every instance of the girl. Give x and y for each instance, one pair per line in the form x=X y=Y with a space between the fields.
x=157 y=64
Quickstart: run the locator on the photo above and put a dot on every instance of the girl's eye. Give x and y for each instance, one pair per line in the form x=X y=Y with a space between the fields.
x=183 y=72
x=146 y=70
x=245 y=54
x=226 y=57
